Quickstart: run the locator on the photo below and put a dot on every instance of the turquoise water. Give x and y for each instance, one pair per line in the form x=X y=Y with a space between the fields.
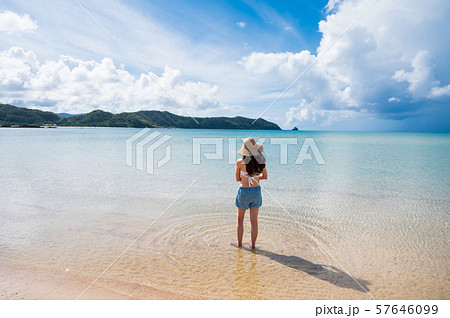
x=378 y=207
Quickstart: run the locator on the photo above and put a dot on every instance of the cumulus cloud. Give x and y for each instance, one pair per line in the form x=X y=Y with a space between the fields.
x=307 y=112
x=322 y=95
x=73 y=85
x=420 y=79
x=396 y=49
x=241 y=24
x=300 y=113
x=11 y=22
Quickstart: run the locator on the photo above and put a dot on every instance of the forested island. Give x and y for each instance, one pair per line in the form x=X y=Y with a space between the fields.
x=13 y=116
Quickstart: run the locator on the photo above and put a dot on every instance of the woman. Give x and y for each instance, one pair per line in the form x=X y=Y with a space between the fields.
x=249 y=171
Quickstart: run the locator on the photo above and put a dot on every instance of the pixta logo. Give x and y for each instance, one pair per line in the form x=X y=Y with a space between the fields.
x=303 y=152
x=141 y=147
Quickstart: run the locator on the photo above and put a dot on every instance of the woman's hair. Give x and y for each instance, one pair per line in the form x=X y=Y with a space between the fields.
x=254 y=165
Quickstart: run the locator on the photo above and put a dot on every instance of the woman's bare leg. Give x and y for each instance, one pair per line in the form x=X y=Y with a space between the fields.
x=240 y=225
x=254 y=223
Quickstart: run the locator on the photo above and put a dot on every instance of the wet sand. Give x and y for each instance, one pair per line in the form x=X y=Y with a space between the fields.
x=20 y=281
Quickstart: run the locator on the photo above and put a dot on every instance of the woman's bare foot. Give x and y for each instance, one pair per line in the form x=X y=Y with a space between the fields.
x=235 y=244
x=252 y=247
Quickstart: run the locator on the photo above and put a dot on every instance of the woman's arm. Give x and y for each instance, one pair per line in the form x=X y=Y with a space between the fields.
x=264 y=174
x=238 y=171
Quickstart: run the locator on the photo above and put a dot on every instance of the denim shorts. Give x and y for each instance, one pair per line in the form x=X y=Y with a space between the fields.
x=249 y=198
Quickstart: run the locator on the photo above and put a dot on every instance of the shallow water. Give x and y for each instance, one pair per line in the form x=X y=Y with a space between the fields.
x=374 y=219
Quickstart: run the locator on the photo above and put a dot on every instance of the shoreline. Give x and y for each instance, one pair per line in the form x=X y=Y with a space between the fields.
x=21 y=281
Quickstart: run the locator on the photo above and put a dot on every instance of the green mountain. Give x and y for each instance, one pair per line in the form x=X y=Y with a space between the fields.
x=12 y=115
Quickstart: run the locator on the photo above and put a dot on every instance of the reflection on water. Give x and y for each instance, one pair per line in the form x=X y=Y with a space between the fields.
x=378 y=206
x=246 y=276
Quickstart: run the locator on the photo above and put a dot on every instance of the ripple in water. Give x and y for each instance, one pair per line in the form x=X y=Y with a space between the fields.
x=190 y=252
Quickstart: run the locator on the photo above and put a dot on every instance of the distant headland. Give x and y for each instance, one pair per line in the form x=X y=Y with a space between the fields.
x=13 y=116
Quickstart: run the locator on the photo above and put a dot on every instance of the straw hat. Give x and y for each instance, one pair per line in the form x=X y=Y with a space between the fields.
x=250 y=147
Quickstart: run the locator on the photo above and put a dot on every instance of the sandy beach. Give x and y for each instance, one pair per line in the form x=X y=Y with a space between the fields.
x=19 y=281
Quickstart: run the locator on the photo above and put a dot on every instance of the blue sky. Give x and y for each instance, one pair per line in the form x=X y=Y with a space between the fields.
x=388 y=72
x=267 y=27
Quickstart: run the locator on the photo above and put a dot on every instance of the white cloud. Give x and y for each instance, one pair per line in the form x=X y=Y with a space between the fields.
x=440 y=91
x=305 y=113
x=298 y=114
x=393 y=99
x=11 y=22
x=395 y=49
x=200 y=47
x=260 y=63
x=321 y=94
x=420 y=79
x=241 y=24
x=78 y=86
x=332 y=4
